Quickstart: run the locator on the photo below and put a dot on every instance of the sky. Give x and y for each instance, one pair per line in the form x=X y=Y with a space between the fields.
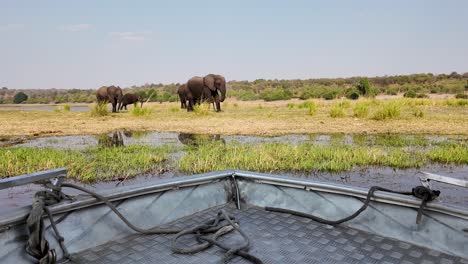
x=86 y=44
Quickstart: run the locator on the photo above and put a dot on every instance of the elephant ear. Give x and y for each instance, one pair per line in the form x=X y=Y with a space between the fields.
x=209 y=82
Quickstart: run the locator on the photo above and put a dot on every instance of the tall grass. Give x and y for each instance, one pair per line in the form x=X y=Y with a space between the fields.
x=307 y=157
x=202 y=109
x=390 y=110
x=337 y=111
x=141 y=111
x=360 y=110
x=89 y=165
x=99 y=109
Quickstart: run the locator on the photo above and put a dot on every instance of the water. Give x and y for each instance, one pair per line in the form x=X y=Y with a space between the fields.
x=74 y=108
x=155 y=139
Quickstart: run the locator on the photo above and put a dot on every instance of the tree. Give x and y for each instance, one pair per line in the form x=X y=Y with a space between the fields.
x=364 y=87
x=19 y=98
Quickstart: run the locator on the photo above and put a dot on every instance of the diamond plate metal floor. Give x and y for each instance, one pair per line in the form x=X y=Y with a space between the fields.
x=275 y=238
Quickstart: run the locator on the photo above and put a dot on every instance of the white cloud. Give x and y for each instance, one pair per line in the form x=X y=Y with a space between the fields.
x=11 y=27
x=131 y=35
x=75 y=27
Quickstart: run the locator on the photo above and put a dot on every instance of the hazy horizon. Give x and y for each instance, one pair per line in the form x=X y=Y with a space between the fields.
x=87 y=44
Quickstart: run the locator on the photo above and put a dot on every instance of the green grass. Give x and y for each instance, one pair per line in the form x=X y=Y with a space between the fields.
x=94 y=164
x=99 y=110
x=202 y=109
x=418 y=113
x=361 y=110
x=307 y=157
x=390 y=110
x=337 y=111
x=142 y=111
x=66 y=108
x=174 y=108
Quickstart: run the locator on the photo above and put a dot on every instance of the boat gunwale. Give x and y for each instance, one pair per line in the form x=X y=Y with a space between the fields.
x=19 y=216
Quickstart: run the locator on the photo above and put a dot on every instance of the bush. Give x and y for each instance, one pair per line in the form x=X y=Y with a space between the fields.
x=365 y=88
x=361 y=110
x=306 y=104
x=99 y=109
x=275 y=94
x=66 y=108
x=330 y=95
x=19 y=98
x=461 y=96
x=244 y=95
x=410 y=94
x=352 y=94
x=422 y=95
x=337 y=111
x=391 y=91
x=389 y=110
x=344 y=104
x=312 y=108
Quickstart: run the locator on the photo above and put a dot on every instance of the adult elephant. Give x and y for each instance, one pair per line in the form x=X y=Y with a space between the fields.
x=206 y=89
x=110 y=94
x=131 y=98
x=182 y=92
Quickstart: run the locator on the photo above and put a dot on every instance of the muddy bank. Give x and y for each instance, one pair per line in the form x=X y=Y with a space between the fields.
x=395 y=179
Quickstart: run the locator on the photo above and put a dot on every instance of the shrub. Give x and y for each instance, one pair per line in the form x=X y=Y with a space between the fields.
x=330 y=95
x=275 y=94
x=66 y=108
x=410 y=94
x=306 y=104
x=99 y=109
x=337 y=111
x=19 y=98
x=422 y=95
x=361 y=110
x=461 y=96
x=141 y=111
x=352 y=94
x=391 y=91
x=344 y=104
x=388 y=111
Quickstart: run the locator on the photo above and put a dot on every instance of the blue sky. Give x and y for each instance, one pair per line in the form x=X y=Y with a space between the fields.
x=87 y=43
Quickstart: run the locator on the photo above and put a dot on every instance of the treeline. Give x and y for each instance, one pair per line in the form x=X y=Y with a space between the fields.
x=269 y=90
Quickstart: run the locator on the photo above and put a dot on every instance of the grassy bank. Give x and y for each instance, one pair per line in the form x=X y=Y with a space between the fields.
x=102 y=164
x=94 y=164
x=306 y=157
x=408 y=116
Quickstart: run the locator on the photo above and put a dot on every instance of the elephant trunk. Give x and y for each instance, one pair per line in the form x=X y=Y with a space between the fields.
x=223 y=91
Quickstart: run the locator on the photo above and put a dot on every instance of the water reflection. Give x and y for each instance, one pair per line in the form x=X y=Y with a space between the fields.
x=198 y=139
x=114 y=139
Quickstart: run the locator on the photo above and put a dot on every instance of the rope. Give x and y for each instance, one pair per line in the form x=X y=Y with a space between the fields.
x=421 y=192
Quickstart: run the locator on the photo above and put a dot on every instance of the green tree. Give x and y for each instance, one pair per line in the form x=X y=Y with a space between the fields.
x=19 y=98
x=364 y=86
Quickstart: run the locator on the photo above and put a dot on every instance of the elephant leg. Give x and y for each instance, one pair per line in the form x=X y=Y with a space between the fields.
x=190 y=103
x=114 y=104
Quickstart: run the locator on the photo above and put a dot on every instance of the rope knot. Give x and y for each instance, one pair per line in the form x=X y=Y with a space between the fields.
x=425 y=193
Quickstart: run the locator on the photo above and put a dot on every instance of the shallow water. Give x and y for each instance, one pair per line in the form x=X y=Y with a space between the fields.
x=125 y=138
x=76 y=108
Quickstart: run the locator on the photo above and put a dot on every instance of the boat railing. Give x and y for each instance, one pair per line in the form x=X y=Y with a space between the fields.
x=427 y=177
x=54 y=177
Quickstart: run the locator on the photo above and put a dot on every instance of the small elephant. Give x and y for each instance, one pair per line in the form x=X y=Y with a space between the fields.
x=182 y=92
x=131 y=98
x=110 y=94
x=206 y=89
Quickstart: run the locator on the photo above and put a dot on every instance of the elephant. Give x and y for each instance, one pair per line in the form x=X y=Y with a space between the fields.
x=131 y=98
x=110 y=94
x=182 y=92
x=206 y=89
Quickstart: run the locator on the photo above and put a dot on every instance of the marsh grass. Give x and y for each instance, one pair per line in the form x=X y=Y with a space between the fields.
x=94 y=164
x=99 y=109
x=390 y=110
x=141 y=111
x=66 y=108
x=307 y=157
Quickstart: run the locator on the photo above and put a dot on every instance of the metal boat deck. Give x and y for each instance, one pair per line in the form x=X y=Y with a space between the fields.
x=274 y=237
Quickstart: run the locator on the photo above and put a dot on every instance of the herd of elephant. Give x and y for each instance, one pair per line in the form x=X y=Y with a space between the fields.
x=194 y=91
